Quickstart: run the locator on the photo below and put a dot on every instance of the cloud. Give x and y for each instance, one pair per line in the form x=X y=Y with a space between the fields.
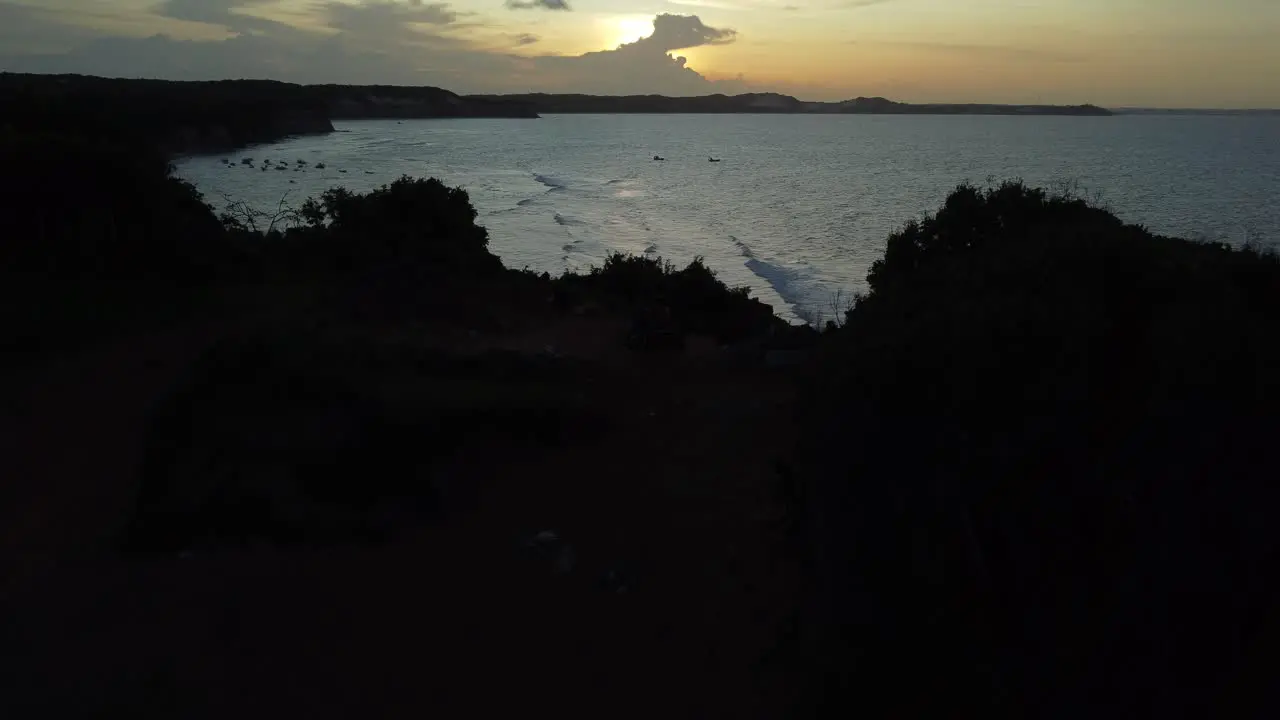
x=717 y=4
x=680 y=32
x=1000 y=53
x=375 y=41
x=645 y=66
x=366 y=18
x=371 y=42
x=213 y=12
x=535 y=4
x=36 y=30
x=383 y=18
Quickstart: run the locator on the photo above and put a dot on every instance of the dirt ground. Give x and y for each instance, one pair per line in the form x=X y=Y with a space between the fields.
x=669 y=588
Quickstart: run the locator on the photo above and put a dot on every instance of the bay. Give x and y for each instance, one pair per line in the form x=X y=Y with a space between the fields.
x=798 y=206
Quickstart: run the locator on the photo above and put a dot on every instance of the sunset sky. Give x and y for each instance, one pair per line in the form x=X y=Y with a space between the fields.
x=1158 y=53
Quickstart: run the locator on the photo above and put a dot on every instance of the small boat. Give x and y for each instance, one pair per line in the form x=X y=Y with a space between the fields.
x=711 y=159
x=319 y=166
x=658 y=157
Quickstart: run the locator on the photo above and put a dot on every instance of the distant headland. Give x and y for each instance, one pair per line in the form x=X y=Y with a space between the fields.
x=185 y=118
x=769 y=103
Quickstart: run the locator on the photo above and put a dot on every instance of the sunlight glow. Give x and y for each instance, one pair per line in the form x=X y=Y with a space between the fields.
x=691 y=57
x=627 y=29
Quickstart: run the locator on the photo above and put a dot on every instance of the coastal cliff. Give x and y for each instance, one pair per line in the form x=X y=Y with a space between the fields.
x=384 y=101
x=188 y=118
x=175 y=117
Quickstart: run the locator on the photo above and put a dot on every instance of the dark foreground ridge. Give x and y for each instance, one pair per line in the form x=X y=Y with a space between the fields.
x=355 y=467
x=771 y=103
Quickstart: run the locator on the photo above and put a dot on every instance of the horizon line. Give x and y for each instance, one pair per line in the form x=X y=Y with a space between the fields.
x=1118 y=108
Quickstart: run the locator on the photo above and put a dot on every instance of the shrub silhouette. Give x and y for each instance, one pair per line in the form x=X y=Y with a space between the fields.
x=91 y=211
x=94 y=228
x=410 y=220
x=394 y=253
x=1037 y=459
x=655 y=293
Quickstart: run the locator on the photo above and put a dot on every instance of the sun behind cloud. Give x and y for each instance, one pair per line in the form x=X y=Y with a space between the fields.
x=623 y=29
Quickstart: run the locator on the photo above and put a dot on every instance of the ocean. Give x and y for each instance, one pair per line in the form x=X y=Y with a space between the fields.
x=798 y=206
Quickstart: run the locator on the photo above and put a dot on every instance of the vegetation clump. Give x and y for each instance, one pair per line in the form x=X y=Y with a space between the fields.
x=1038 y=462
x=690 y=300
x=1033 y=466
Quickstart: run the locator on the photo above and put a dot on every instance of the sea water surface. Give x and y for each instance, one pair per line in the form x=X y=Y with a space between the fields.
x=798 y=207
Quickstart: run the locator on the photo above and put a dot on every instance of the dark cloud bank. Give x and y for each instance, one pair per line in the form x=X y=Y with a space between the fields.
x=376 y=41
x=535 y=4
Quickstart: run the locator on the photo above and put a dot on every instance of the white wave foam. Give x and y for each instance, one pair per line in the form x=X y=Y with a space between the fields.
x=553 y=183
x=784 y=280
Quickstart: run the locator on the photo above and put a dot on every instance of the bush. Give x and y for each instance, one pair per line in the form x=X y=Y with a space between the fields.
x=409 y=221
x=85 y=211
x=95 y=231
x=656 y=294
x=401 y=252
x=1038 y=458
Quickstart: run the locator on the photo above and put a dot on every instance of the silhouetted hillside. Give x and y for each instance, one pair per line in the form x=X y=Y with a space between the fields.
x=761 y=103
x=200 y=117
x=176 y=117
x=879 y=105
x=769 y=103
x=388 y=101
x=1040 y=469
x=368 y=397
x=254 y=474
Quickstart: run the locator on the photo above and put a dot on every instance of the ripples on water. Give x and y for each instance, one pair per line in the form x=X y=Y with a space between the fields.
x=800 y=206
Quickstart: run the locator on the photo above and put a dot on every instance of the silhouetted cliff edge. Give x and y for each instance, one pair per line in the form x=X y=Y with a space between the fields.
x=209 y=117
x=176 y=117
x=389 y=101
